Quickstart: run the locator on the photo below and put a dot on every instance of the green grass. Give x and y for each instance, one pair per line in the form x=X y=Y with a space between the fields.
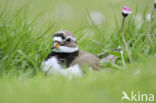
x=26 y=29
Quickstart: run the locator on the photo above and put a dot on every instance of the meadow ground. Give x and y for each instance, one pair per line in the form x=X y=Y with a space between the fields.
x=26 y=29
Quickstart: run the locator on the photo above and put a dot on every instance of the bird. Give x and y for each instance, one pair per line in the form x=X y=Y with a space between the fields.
x=66 y=58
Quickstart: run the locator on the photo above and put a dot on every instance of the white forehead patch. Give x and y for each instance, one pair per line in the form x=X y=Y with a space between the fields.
x=57 y=39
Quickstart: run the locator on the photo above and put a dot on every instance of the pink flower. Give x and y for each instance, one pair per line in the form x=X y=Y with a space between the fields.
x=126 y=10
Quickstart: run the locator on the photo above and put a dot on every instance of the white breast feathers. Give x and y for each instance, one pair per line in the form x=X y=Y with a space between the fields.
x=52 y=66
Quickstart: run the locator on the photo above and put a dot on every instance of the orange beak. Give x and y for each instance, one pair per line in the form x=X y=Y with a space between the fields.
x=55 y=46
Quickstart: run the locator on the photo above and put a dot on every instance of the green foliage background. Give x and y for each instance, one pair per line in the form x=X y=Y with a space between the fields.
x=26 y=29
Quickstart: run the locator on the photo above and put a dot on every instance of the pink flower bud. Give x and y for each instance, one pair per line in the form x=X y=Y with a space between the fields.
x=126 y=11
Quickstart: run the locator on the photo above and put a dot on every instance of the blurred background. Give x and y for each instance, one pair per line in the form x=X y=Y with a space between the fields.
x=74 y=13
x=26 y=29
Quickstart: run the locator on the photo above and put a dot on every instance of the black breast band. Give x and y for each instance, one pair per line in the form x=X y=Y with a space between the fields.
x=64 y=58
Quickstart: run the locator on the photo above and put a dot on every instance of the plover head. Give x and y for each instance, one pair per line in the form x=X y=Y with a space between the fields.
x=64 y=42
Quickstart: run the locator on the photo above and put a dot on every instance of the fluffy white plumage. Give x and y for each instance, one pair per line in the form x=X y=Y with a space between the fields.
x=52 y=66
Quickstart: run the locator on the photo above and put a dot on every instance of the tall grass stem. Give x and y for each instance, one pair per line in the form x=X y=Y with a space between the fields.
x=123 y=38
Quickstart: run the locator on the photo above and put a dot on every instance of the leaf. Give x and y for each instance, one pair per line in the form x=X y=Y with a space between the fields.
x=115 y=54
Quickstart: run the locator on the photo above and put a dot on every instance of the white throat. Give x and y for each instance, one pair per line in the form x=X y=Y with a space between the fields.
x=65 y=49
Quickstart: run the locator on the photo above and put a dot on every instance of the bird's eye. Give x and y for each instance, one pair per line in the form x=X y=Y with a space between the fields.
x=69 y=39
